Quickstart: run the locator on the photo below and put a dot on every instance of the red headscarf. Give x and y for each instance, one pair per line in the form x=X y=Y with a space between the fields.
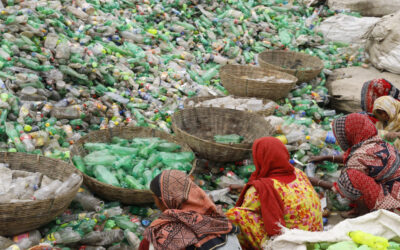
x=271 y=159
x=351 y=130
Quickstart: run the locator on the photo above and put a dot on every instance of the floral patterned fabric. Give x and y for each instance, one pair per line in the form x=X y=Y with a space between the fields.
x=302 y=211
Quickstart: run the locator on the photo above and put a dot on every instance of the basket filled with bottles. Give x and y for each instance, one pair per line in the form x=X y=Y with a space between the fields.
x=262 y=107
x=34 y=190
x=218 y=134
x=118 y=164
x=303 y=66
x=253 y=81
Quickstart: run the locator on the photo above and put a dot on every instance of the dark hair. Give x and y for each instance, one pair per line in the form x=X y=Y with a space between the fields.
x=155 y=186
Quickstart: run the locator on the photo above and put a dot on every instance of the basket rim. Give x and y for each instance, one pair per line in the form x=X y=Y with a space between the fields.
x=262 y=70
x=63 y=196
x=320 y=62
x=221 y=145
x=121 y=189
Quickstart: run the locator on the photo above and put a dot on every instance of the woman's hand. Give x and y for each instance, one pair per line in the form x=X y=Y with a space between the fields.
x=236 y=187
x=318 y=182
x=318 y=159
x=391 y=136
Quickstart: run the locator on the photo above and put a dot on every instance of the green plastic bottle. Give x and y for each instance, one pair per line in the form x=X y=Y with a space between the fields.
x=104 y=175
x=148 y=150
x=246 y=171
x=102 y=157
x=123 y=222
x=147 y=177
x=168 y=147
x=139 y=168
x=153 y=160
x=133 y=183
x=181 y=166
x=79 y=164
x=228 y=139
x=91 y=147
x=167 y=157
x=87 y=226
x=124 y=162
x=119 y=141
x=122 y=151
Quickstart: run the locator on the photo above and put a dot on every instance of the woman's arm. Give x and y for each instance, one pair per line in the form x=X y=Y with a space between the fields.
x=318 y=182
x=332 y=158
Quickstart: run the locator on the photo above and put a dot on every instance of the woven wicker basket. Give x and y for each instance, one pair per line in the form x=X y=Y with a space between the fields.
x=109 y=192
x=16 y=218
x=241 y=80
x=303 y=66
x=197 y=127
x=196 y=100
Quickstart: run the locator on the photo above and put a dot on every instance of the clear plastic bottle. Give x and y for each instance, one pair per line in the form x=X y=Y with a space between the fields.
x=133 y=240
x=89 y=202
x=27 y=141
x=27 y=240
x=47 y=192
x=66 y=186
x=65 y=236
x=295 y=136
x=105 y=238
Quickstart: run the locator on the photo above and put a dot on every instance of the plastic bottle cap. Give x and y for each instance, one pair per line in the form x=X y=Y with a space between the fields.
x=27 y=128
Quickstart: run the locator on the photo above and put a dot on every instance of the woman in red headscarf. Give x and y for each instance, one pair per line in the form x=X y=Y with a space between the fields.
x=371 y=176
x=277 y=194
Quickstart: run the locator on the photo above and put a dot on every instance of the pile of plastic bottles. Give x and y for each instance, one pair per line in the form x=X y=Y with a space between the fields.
x=304 y=126
x=71 y=67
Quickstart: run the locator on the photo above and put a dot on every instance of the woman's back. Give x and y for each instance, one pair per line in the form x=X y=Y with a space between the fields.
x=302 y=207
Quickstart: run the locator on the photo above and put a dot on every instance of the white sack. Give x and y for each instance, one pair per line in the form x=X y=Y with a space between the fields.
x=380 y=223
x=383 y=43
x=345 y=28
x=366 y=7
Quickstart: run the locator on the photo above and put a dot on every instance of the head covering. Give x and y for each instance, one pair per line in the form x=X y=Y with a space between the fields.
x=191 y=218
x=351 y=130
x=392 y=107
x=374 y=89
x=271 y=159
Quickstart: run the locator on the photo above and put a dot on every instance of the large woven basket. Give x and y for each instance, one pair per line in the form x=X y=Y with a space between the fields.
x=243 y=80
x=303 y=66
x=198 y=126
x=109 y=192
x=20 y=217
x=191 y=102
